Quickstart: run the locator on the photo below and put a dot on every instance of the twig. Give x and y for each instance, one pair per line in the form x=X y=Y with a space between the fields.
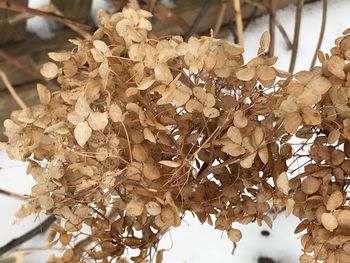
x=165 y=12
x=24 y=9
x=12 y=91
x=296 y=35
x=220 y=17
x=250 y=18
x=283 y=33
x=197 y=20
x=29 y=235
x=272 y=16
x=320 y=38
x=233 y=31
x=22 y=16
x=74 y=27
x=239 y=23
x=277 y=22
x=151 y=5
x=79 y=248
x=20 y=65
x=13 y=195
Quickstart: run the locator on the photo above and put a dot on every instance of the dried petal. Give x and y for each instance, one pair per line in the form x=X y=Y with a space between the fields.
x=82 y=133
x=49 y=70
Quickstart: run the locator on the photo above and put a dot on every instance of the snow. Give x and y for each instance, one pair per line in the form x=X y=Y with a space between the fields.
x=337 y=22
x=193 y=242
x=40 y=25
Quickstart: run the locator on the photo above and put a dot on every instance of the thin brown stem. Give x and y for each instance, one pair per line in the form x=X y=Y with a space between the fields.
x=12 y=91
x=220 y=17
x=12 y=195
x=166 y=13
x=23 y=16
x=79 y=27
x=239 y=22
x=204 y=9
x=74 y=27
x=79 y=248
x=296 y=36
x=272 y=26
x=323 y=28
x=29 y=235
x=283 y=33
x=20 y=65
x=277 y=22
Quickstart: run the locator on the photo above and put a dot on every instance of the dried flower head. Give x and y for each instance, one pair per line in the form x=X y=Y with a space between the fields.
x=143 y=130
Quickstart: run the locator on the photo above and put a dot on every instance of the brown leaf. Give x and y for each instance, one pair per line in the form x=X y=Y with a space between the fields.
x=59 y=56
x=239 y=120
x=246 y=74
x=153 y=208
x=134 y=207
x=264 y=155
x=49 y=70
x=282 y=183
x=234 y=235
x=98 y=120
x=170 y=163
x=163 y=73
x=82 y=107
x=115 y=113
x=234 y=134
x=44 y=94
x=264 y=42
x=82 y=133
x=233 y=149
x=329 y=221
x=248 y=161
x=139 y=153
x=335 y=200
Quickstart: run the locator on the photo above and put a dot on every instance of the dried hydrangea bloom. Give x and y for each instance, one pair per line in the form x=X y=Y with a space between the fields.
x=143 y=130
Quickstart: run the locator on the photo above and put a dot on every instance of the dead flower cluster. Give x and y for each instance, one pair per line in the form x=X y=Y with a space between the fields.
x=145 y=129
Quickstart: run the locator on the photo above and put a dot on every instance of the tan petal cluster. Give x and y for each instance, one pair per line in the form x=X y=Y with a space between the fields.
x=143 y=130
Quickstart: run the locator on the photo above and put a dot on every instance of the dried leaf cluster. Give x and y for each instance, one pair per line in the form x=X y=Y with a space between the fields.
x=145 y=129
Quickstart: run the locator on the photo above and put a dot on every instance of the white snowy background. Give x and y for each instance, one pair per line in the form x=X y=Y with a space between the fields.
x=193 y=242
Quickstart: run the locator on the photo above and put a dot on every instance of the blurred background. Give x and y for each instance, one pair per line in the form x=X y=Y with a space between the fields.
x=31 y=29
